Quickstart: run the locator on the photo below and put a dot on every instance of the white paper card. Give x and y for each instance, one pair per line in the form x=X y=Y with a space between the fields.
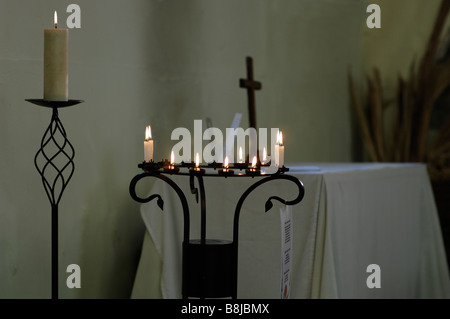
x=286 y=250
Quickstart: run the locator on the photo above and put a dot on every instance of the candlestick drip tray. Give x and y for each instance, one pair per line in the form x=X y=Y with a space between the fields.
x=53 y=104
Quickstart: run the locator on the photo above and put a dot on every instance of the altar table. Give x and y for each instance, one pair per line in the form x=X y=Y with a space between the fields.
x=352 y=216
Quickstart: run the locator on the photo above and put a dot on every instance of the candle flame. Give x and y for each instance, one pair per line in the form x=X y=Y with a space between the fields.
x=264 y=155
x=55 y=19
x=197 y=160
x=280 y=138
x=254 y=162
x=240 y=154
x=148 y=133
x=225 y=164
x=172 y=158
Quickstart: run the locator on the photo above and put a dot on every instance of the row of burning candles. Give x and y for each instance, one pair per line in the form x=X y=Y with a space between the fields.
x=278 y=158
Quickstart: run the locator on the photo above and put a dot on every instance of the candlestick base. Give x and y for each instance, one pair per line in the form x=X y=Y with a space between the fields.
x=54 y=163
x=210 y=266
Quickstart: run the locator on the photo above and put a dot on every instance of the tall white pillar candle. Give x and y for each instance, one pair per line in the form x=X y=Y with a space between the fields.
x=148 y=145
x=56 y=66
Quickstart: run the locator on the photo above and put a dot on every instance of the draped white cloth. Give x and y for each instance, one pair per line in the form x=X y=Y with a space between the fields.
x=352 y=216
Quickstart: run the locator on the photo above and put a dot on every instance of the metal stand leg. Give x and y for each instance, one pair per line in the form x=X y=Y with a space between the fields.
x=55 y=252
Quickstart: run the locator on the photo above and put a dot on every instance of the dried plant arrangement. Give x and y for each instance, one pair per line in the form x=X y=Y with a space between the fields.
x=414 y=102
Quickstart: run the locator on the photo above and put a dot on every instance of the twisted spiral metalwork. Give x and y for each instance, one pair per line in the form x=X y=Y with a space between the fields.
x=55 y=147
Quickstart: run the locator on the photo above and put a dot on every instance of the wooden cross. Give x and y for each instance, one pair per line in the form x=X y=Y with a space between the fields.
x=251 y=85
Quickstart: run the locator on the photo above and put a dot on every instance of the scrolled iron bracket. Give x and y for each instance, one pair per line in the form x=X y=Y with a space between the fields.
x=160 y=201
x=268 y=204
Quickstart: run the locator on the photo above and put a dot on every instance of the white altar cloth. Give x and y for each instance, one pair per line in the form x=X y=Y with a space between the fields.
x=353 y=215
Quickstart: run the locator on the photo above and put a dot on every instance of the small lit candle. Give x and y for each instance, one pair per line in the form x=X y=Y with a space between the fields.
x=171 y=167
x=281 y=151
x=172 y=160
x=254 y=164
x=197 y=163
x=148 y=145
x=264 y=161
x=241 y=157
x=225 y=170
x=225 y=164
x=253 y=170
x=196 y=170
x=56 y=66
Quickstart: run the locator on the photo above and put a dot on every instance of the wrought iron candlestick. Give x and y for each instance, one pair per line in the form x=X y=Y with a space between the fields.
x=54 y=162
x=210 y=266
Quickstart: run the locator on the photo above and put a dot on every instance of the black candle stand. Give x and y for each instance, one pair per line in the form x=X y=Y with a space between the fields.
x=210 y=266
x=60 y=170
